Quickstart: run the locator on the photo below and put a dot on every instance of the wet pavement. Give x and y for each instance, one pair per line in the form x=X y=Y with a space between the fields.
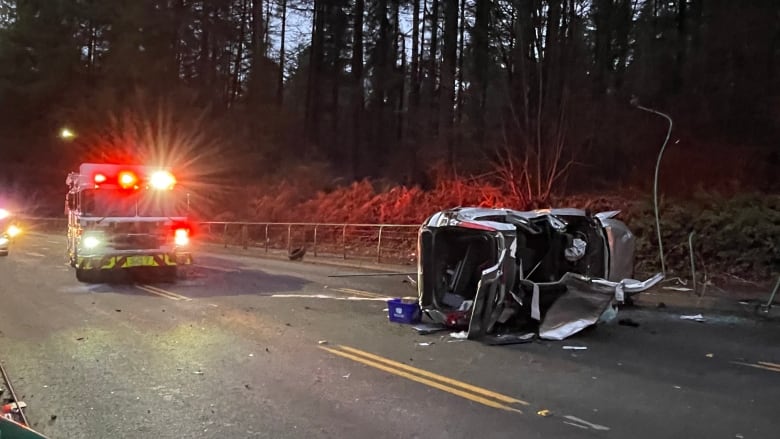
x=250 y=347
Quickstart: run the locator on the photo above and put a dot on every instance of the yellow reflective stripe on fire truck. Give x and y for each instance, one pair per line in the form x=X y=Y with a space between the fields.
x=129 y=261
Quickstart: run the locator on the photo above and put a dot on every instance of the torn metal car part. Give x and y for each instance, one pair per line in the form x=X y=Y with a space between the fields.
x=555 y=270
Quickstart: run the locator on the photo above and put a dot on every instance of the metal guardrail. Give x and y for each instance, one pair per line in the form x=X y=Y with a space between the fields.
x=395 y=243
x=382 y=243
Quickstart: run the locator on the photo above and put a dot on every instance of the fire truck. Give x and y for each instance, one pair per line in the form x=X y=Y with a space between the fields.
x=126 y=218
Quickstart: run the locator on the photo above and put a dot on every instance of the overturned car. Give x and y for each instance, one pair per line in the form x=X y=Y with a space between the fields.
x=500 y=272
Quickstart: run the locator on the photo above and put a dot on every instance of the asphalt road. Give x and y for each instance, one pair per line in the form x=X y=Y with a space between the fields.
x=251 y=347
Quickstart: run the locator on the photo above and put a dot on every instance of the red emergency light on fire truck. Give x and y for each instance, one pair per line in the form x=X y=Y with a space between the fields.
x=123 y=217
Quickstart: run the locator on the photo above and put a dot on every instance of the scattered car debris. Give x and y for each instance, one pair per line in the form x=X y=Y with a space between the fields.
x=684 y=289
x=346 y=377
x=322 y=342
x=575 y=348
x=697 y=317
x=79 y=338
x=462 y=335
x=506 y=339
x=710 y=355
x=501 y=271
x=424 y=343
x=297 y=254
x=544 y=412
x=429 y=328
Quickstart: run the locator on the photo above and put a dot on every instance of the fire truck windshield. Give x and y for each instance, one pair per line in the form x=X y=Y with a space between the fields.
x=146 y=203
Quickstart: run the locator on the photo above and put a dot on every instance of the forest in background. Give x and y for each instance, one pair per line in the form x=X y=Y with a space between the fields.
x=277 y=107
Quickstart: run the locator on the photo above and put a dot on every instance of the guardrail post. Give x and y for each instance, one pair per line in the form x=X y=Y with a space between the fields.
x=245 y=236
x=289 y=238
x=266 y=238
x=344 y=241
x=315 y=240
x=379 y=246
x=225 y=236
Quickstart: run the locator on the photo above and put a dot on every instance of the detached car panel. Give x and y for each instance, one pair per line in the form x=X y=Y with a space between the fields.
x=500 y=271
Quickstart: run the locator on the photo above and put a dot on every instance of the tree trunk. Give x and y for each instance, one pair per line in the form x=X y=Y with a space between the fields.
x=280 y=80
x=480 y=43
x=461 y=57
x=258 y=73
x=415 y=73
x=433 y=66
x=236 y=87
x=311 y=126
x=357 y=87
x=448 y=71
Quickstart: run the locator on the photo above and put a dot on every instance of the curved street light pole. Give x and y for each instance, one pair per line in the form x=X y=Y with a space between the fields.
x=655 y=180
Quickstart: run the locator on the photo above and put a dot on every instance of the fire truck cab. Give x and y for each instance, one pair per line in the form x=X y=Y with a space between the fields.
x=126 y=218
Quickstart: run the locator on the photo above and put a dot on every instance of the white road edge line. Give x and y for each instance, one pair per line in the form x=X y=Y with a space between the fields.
x=576 y=425
x=589 y=424
x=322 y=296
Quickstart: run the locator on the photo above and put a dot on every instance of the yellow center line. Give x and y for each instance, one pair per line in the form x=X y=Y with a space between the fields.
x=164 y=293
x=444 y=379
x=427 y=382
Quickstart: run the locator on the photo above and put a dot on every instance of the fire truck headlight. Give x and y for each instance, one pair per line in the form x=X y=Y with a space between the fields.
x=4 y=214
x=13 y=231
x=91 y=242
x=3 y=240
x=181 y=237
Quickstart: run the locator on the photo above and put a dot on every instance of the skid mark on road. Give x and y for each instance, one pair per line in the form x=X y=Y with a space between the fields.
x=464 y=390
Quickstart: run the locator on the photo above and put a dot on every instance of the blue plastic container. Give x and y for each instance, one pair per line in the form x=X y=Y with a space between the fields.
x=401 y=311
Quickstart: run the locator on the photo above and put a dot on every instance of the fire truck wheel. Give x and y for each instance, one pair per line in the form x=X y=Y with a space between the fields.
x=4 y=253
x=168 y=274
x=86 y=276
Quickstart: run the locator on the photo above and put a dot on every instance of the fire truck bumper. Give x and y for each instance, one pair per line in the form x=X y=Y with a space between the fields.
x=115 y=262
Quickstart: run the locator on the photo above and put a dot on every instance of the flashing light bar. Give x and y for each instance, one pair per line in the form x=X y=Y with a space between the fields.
x=129 y=179
x=162 y=180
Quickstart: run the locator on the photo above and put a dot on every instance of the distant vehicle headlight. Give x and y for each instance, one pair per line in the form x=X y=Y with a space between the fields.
x=91 y=242
x=13 y=231
x=3 y=240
